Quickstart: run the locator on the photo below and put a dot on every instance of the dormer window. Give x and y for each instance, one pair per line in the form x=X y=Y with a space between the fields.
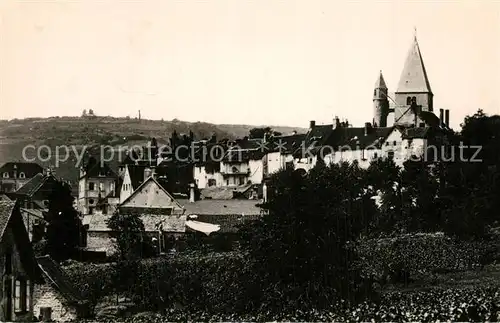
x=5 y=175
x=22 y=175
x=394 y=143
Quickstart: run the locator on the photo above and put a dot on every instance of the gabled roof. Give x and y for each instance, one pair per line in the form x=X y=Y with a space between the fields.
x=380 y=84
x=153 y=180
x=10 y=215
x=55 y=276
x=40 y=181
x=4 y=197
x=29 y=169
x=414 y=76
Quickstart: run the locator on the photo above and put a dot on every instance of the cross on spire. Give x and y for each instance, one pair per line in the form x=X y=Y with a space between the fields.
x=415 y=32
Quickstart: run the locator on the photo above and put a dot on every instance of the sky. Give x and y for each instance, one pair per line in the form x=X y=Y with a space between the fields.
x=239 y=61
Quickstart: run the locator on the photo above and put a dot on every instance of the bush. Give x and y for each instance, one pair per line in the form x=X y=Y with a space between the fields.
x=411 y=255
x=210 y=283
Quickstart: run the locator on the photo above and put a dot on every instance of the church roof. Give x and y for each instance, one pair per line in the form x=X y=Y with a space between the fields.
x=380 y=84
x=414 y=76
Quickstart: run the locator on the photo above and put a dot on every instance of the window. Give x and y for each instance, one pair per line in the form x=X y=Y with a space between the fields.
x=91 y=201
x=394 y=143
x=91 y=186
x=387 y=143
x=22 y=175
x=375 y=92
x=91 y=210
x=8 y=264
x=414 y=100
x=408 y=100
x=20 y=295
x=227 y=182
x=375 y=155
x=5 y=175
x=390 y=155
x=101 y=186
x=235 y=170
x=242 y=181
x=112 y=186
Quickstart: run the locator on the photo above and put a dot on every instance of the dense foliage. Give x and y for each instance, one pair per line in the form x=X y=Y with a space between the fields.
x=65 y=230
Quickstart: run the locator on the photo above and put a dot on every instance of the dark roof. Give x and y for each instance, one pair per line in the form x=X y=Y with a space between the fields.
x=316 y=137
x=429 y=118
x=29 y=169
x=355 y=138
x=239 y=155
x=136 y=173
x=56 y=277
x=286 y=144
x=221 y=207
x=10 y=215
x=38 y=183
x=94 y=168
x=229 y=223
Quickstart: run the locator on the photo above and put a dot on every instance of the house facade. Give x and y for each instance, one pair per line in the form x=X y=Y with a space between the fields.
x=13 y=175
x=18 y=267
x=97 y=184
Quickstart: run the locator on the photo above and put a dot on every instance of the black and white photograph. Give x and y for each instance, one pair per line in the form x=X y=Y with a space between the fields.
x=249 y=161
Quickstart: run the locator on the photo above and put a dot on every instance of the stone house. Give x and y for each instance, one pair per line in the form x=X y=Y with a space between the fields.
x=19 y=270
x=57 y=295
x=13 y=175
x=97 y=184
x=161 y=214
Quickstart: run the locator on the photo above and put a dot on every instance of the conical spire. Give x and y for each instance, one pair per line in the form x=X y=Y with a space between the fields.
x=414 y=77
x=380 y=84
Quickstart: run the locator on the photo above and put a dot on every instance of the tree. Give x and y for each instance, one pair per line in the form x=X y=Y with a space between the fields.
x=65 y=230
x=128 y=230
x=301 y=249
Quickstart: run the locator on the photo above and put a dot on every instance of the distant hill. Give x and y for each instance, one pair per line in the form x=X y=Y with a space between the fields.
x=95 y=131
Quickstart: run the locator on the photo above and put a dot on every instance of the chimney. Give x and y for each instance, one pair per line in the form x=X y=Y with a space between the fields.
x=191 y=193
x=213 y=139
x=368 y=127
x=312 y=123
x=265 y=138
x=147 y=173
x=264 y=192
x=153 y=172
x=447 y=117
x=441 y=117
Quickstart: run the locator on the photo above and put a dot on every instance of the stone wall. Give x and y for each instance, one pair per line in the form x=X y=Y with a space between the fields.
x=46 y=296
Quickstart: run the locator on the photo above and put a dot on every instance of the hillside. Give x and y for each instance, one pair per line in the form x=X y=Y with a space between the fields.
x=94 y=131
